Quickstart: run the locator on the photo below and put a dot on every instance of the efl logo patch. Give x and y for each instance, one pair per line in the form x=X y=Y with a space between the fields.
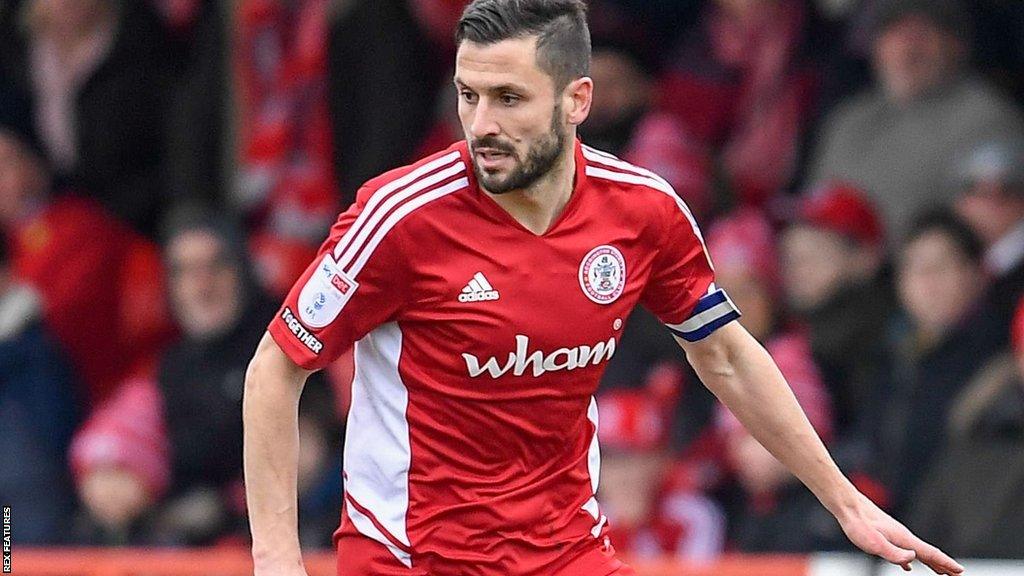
x=603 y=274
x=325 y=294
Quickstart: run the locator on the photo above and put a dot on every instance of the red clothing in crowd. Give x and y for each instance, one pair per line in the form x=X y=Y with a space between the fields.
x=286 y=162
x=102 y=288
x=685 y=523
x=739 y=85
x=662 y=144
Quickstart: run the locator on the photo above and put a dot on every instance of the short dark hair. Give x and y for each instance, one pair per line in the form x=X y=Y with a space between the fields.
x=952 y=226
x=948 y=15
x=563 y=38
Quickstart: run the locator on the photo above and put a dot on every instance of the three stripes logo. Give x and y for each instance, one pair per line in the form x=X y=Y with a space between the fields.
x=478 y=290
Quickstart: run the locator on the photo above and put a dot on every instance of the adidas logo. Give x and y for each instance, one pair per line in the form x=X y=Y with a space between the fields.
x=478 y=290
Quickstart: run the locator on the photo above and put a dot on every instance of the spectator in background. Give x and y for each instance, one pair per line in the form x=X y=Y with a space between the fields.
x=623 y=122
x=100 y=283
x=936 y=351
x=121 y=467
x=96 y=73
x=774 y=512
x=654 y=504
x=147 y=470
x=898 y=141
x=740 y=83
x=971 y=501
x=38 y=411
x=831 y=255
x=222 y=315
x=992 y=203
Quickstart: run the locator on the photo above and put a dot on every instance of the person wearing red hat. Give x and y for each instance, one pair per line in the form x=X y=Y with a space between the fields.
x=121 y=464
x=831 y=254
x=971 y=501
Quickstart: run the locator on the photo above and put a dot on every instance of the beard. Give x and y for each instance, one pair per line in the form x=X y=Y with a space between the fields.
x=541 y=157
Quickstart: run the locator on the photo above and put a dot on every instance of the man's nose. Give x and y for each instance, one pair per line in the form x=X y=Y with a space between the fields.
x=484 y=123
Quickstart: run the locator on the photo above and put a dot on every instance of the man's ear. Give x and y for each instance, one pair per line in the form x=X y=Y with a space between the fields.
x=577 y=98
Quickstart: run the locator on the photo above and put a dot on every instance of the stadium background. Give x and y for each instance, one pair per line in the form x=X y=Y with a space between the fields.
x=167 y=168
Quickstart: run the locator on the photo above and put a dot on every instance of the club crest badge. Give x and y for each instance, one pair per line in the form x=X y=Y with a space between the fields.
x=603 y=274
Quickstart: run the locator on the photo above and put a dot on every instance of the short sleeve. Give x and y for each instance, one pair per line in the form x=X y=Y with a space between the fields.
x=351 y=287
x=681 y=290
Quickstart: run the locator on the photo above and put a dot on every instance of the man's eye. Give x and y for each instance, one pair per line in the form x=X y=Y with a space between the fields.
x=509 y=99
x=468 y=96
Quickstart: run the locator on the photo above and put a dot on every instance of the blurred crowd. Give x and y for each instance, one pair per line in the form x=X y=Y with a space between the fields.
x=168 y=167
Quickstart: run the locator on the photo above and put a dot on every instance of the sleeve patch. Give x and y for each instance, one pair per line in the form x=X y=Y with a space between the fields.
x=325 y=294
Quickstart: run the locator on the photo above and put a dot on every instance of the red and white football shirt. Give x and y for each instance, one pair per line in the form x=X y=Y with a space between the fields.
x=471 y=443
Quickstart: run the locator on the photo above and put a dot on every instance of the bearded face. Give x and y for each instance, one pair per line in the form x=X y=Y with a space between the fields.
x=501 y=168
x=512 y=113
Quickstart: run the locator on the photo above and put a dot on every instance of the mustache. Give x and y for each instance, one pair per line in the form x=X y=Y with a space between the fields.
x=494 y=143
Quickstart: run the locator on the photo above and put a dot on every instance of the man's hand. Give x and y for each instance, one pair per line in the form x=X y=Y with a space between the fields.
x=875 y=532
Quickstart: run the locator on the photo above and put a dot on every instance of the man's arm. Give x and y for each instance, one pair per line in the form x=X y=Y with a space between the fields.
x=273 y=384
x=744 y=377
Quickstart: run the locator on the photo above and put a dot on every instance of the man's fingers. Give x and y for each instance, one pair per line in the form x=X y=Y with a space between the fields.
x=943 y=564
x=895 y=554
x=877 y=542
x=936 y=559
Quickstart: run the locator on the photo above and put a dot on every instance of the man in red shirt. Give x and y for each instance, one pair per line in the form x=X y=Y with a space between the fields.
x=485 y=288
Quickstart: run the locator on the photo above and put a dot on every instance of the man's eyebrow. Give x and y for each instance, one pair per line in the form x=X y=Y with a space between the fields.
x=507 y=87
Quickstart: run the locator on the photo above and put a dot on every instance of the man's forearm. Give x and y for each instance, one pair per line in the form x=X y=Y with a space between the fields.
x=745 y=378
x=270 y=416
